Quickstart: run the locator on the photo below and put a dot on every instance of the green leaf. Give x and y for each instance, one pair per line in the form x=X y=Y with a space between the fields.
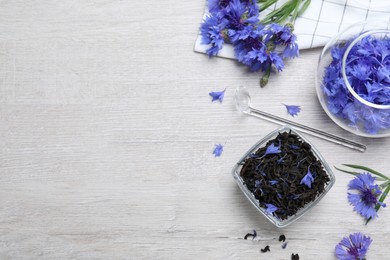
x=296 y=10
x=359 y=167
x=349 y=172
x=381 y=199
x=266 y=4
x=304 y=7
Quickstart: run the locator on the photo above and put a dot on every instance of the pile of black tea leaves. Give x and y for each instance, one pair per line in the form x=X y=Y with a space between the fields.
x=285 y=175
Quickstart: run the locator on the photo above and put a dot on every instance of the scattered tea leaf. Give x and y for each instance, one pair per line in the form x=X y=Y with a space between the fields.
x=265 y=249
x=251 y=235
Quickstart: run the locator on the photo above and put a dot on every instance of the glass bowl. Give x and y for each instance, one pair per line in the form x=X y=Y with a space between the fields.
x=278 y=222
x=352 y=79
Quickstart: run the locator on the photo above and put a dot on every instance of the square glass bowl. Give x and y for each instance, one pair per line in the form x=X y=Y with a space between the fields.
x=250 y=196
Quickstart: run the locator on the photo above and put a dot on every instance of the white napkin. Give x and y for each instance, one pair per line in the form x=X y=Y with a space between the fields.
x=321 y=21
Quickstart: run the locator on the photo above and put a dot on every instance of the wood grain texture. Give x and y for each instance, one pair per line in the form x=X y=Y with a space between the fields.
x=107 y=131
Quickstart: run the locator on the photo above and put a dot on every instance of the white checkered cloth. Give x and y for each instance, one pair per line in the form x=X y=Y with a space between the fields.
x=321 y=21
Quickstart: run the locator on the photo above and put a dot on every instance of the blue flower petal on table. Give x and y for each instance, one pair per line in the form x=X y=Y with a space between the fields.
x=292 y=109
x=218 y=150
x=355 y=246
x=307 y=179
x=217 y=95
x=366 y=197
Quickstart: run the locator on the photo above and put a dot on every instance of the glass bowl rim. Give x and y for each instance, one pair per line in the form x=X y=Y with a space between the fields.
x=344 y=65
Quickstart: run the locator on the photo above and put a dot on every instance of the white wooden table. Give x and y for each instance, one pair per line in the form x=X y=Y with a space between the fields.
x=107 y=132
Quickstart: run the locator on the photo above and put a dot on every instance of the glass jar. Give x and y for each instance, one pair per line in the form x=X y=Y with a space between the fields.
x=280 y=223
x=353 y=79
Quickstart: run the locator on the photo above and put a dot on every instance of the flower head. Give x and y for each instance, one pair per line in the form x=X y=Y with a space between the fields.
x=238 y=15
x=291 y=50
x=307 y=179
x=217 y=95
x=218 y=149
x=292 y=110
x=366 y=197
x=211 y=31
x=219 y=6
x=353 y=247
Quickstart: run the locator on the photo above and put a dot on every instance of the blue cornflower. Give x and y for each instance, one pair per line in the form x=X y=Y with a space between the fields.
x=278 y=34
x=353 y=247
x=291 y=50
x=282 y=35
x=238 y=17
x=211 y=31
x=218 y=6
x=270 y=208
x=292 y=109
x=276 y=60
x=250 y=30
x=366 y=198
x=273 y=182
x=261 y=59
x=307 y=179
x=218 y=149
x=217 y=95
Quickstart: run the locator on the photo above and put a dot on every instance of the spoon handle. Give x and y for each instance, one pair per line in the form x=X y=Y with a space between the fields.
x=309 y=130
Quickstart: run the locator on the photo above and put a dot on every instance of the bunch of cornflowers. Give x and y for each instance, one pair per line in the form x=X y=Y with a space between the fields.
x=366 y=196
x=368 y=72
x=259 y=44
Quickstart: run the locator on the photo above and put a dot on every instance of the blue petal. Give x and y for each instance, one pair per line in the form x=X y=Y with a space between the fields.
x=272 y=149
x=218 y=150
x=307 y=179
x=271 y=208
x=218 y=95
x=292 y=109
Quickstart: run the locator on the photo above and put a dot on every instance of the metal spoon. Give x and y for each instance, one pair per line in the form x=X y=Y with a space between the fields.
x=243 y=104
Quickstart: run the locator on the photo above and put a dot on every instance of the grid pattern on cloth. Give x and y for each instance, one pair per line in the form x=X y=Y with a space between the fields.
x=321 y=21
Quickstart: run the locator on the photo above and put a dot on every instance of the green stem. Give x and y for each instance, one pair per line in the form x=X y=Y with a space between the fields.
x=266 y=4
x=291 y=9
x=295 y=14
x=383 y=185
x=264 y=79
